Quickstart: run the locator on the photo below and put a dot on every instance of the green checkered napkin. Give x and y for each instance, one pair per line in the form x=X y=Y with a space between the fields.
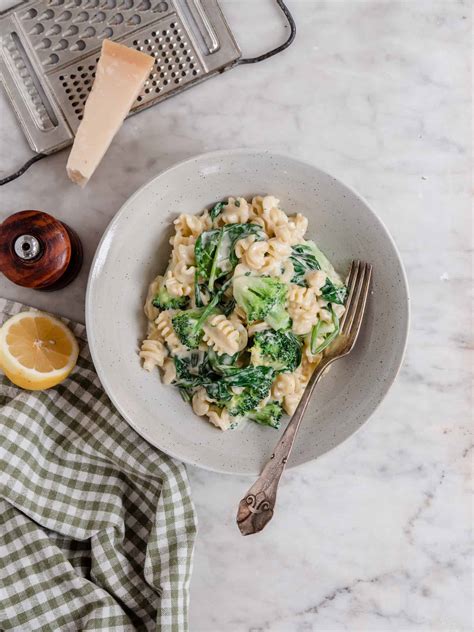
x=96 y=526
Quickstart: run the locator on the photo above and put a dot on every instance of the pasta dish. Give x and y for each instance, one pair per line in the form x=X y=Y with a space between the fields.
x=241 y=316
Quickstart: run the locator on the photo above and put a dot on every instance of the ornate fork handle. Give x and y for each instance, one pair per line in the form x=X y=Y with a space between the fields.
x=256 y=508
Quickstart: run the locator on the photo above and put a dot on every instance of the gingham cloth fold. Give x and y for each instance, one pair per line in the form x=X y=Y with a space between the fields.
x=97 y=527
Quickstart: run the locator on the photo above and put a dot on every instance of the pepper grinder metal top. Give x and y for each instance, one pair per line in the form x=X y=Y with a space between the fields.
x=38 y=251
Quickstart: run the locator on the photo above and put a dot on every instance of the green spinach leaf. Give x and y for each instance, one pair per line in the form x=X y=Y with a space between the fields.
x=216 y=210
x=204 y=252
x=215 y=250
x=303 y=260
x=334 y=294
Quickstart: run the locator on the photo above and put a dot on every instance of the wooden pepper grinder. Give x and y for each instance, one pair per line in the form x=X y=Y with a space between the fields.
x=38 y=251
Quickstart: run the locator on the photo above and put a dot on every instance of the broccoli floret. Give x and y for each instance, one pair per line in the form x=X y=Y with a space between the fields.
x=268 y=415
x=255 y=382
x=188 y=327
x=262 y=298
x=164 y=300
x=280 y=350
x=188 y=324
x=240 y=404
x=258 y=295
x=278 y=318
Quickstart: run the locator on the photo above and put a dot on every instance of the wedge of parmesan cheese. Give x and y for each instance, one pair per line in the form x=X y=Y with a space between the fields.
x=120 y=76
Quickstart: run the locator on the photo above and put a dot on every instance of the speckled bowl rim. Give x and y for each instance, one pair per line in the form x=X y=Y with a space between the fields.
x=228 y=153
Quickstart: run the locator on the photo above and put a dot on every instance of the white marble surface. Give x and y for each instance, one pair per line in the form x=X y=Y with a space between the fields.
x=376 y=534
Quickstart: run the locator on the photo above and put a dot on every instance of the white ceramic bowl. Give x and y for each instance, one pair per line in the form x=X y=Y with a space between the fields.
x=135 y=248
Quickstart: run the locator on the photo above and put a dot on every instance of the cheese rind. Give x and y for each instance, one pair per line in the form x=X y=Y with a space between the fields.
x=120 y=76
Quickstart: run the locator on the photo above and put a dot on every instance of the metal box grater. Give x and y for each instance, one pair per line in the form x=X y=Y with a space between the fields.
x=49 y=50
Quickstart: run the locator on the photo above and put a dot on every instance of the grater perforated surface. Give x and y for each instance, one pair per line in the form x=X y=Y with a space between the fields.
x=176 y=62
x=50 y=49
x=59 y=30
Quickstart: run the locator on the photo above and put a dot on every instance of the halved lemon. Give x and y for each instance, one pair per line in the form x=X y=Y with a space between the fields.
x=37 y=351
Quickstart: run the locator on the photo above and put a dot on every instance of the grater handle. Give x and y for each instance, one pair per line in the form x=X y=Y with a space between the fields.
x=22 y=169
x=278 y=49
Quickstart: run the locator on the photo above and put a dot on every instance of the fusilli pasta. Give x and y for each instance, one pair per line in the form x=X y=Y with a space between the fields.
x=153 y=353
x=303 y=308
x=225 y=336
x=165 y=328
x=152 y=312
x=236 y=211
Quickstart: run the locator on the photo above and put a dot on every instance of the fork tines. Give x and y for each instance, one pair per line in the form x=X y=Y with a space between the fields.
x=358 y=288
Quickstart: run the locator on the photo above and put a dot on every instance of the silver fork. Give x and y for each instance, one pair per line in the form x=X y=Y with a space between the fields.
x=257 y=507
